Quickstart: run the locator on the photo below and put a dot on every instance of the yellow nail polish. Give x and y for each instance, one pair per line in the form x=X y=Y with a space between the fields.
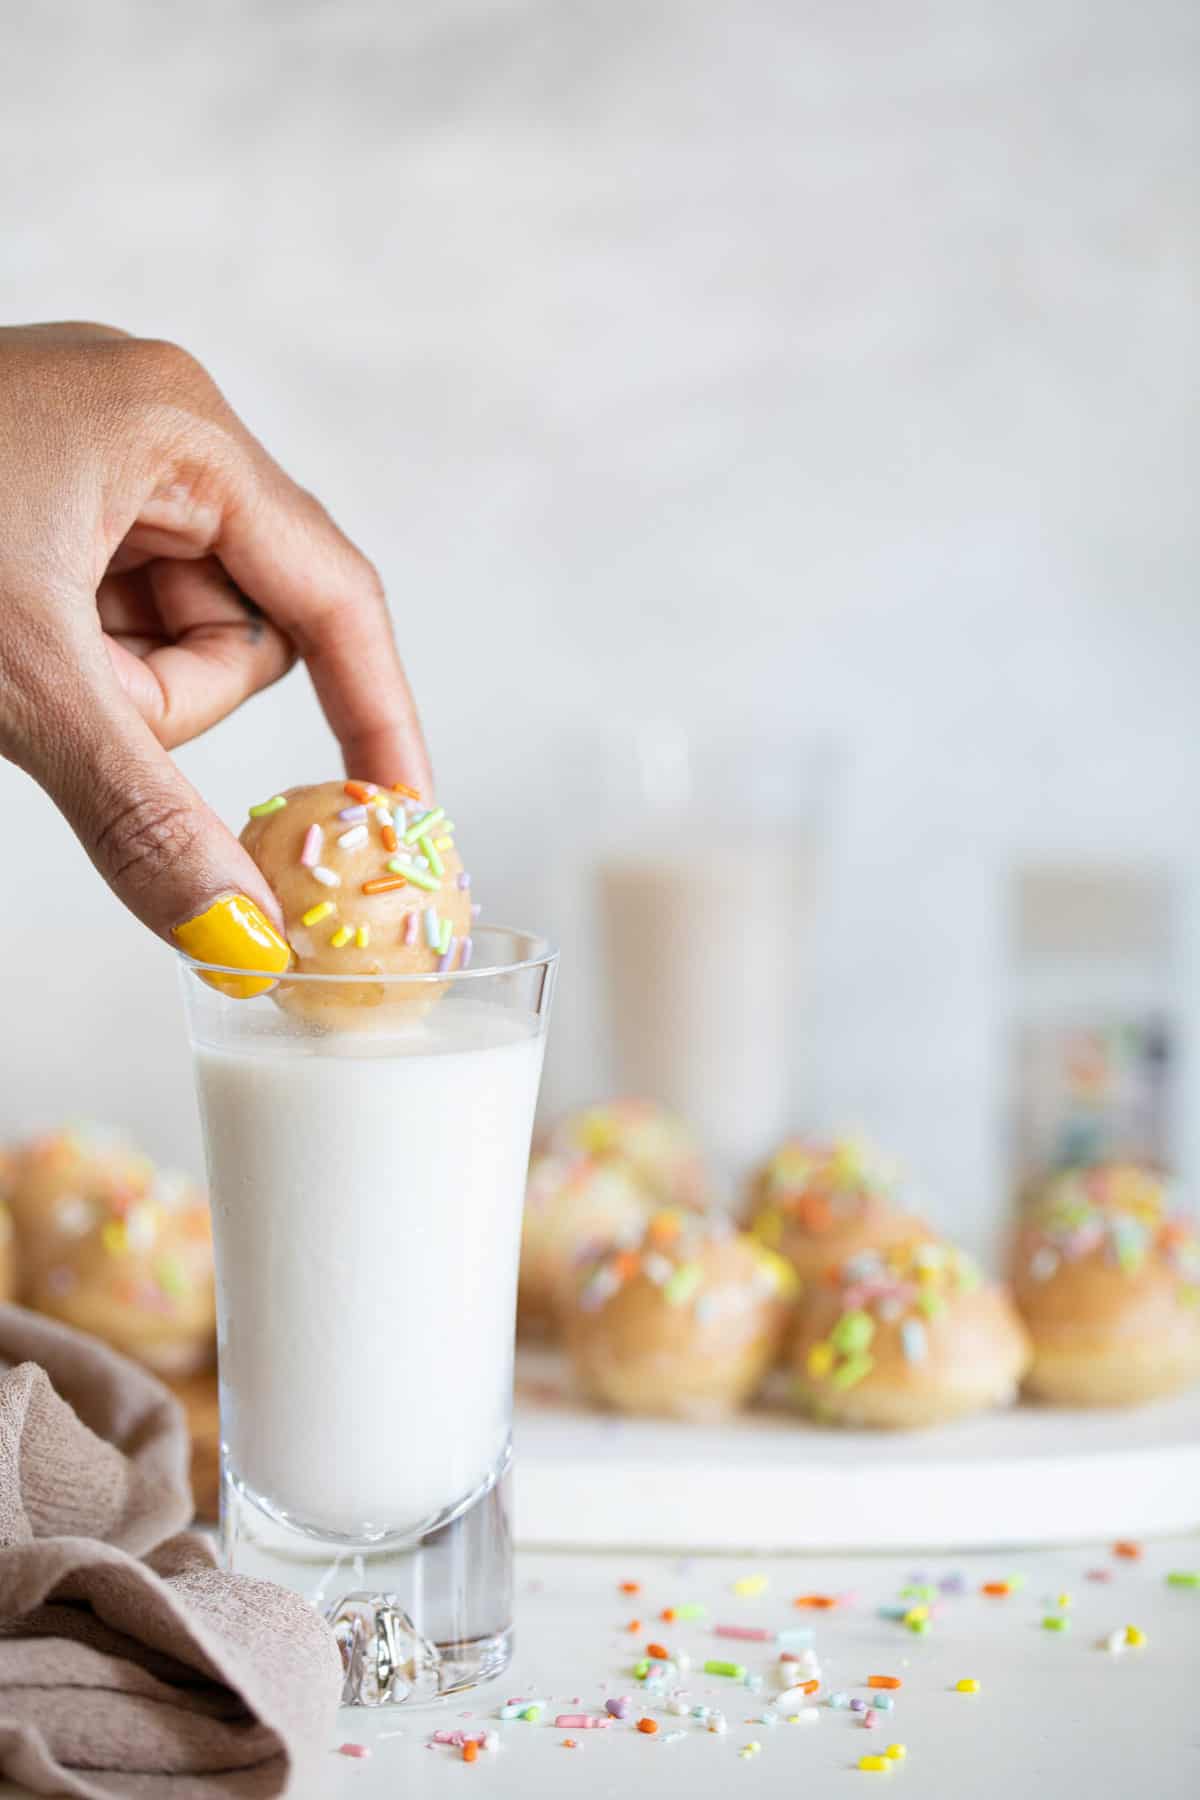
x=236 y=933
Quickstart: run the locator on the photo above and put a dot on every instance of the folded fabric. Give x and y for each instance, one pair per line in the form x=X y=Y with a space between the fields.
x=129 y=1664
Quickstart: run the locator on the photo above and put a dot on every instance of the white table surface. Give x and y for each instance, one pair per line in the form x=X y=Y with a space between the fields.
x=1055 y=1714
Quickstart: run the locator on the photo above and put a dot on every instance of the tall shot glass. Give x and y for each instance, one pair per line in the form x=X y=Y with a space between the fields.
x=367 y=1150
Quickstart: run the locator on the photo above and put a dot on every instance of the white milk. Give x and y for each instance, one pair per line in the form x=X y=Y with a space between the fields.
x=701 y=963
x=366 y=1196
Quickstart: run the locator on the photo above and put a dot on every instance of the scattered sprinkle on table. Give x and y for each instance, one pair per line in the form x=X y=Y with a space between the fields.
x=649 y=1726
x=818 y=1602
x=968 y=1685
x=875 y=1765
x=346 y=1749
x=1128 y=1550
x=1184 y=1578
x=735 y=1671
x=631 y=1587
x=1135 y=1638
x=897 y=1752
x=749 y=1585
x=1056 y=1622
x=750 y=1749
x=470 y=1750
x=884 y=1681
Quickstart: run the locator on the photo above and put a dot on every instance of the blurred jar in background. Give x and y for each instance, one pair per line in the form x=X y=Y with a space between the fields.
x=1097 y=1032
x=705 y=872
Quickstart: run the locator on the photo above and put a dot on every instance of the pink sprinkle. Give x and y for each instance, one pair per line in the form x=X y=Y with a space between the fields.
x=788 y=1656
x=870 y=1718
x=750 y=1634
x=1099 y=1574
x=310 y=856
x=410 y=929
x=354 y=1750
x=468 y=951
x=456 y=1738
x=581 y=1722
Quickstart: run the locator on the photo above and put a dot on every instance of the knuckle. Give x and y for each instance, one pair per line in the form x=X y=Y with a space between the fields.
x=145 y=839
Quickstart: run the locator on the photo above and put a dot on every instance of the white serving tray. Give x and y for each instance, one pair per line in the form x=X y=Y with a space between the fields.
x=768 y=1481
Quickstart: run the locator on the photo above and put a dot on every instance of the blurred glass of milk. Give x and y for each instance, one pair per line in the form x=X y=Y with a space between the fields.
x=704 y=888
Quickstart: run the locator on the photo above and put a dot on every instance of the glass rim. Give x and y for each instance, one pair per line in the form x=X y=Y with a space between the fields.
x=546 y=959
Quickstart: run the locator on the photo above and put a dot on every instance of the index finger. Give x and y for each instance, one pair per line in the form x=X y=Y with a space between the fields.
x=283 y=549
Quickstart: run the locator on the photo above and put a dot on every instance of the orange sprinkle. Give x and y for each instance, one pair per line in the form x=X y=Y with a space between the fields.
x=569 y=1744
x=995 y=1587
x=384 y=884
x=626 y=1264
x=819 y=1602
x=810 y=1687
x=883 y=1681
x=634 y=1625
x=402 y=787
x=631 y=1587
x=357 y=790
x=649 y=1726
x=658 y=1653
x=815 y=1214
x=470 y=1750
x=1126 y=1549
x=667 y=1615
x=390 y=840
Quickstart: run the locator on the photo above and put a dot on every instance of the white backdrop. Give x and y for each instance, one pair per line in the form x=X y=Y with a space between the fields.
x=801 y=360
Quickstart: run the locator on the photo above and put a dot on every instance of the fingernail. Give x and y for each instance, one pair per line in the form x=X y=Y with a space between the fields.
x=238 y=934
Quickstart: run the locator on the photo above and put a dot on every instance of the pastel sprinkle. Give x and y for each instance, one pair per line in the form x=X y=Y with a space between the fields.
x=531 y=1713
x=359 y=1750
x=464 y=881
x=913 y=1341
x=735 y=1671
x=897 y=1752
x=874 y=1764
x=751 y=1749
x=388 y=834
x=421 y=827
x=1056 y=1622
x=470 y=1751
x=882 y=1702
x=870 y=1719
x=857 y=1705
x=316 y=913
x=752 y=1634
x=853 y=1333
x=402 y=787
x=353 y=815
x=341 y=937
x=683 y=1284
x=582 y=1722
x=444 y=843
x=620 y=1707
x=429 y=851
x=796 y=1636
x=968 y=1685
x=649 y=1726
x=884 y=1681
x=275 y=804
x=1128 y=1550
x=749 y=1585
x=354 y=838
x=433 y=928
x=310 y=854
x=410 y=930
x=445 y=937
x=359 y=790
x=839 y=1701
x=419 y=877
x=716 y=1722
x=691 y=1609
x=852 y=1371
x=362 y=937
x=1184 y=1578
x=446 y=957
x=384 y=884
x=326 y=877
x=1135 y=1638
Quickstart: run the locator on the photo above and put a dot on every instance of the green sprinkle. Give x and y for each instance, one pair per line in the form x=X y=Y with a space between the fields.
x=853 y=1333
x=641 y=1669
x=920 y=1627
x=930 y=1304
x=446 y=933
x=694 y=1609
x=852 y=1371
x=275 y=804
x=1056 y=1622
x=735 y=1671
x=429 y=851
x=422 y=826
x=532 y=1713
x=1184 y=1578
x=419 y=877
x=168 y=1272
x=679 y=1287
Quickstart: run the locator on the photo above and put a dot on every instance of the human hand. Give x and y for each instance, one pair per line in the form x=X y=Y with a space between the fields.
x=156 y=569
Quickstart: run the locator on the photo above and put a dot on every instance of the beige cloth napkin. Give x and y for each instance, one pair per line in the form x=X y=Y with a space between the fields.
x=130 y=1664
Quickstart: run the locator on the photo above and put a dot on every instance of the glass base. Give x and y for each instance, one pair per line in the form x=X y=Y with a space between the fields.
x=414 y=1620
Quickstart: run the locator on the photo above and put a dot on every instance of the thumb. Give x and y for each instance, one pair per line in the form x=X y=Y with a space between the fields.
x=163 y=852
